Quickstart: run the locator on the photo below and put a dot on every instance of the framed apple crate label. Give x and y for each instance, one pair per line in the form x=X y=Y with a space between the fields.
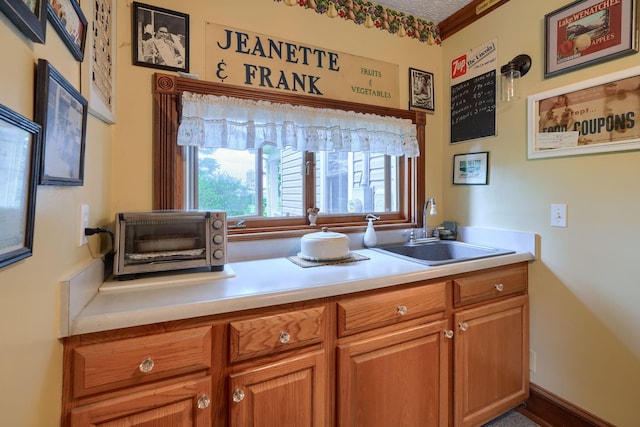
x=587 y=32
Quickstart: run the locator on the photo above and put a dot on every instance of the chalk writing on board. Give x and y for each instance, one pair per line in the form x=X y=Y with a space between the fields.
x=473 y=108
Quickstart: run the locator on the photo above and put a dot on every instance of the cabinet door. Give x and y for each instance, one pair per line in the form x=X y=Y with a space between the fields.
x=396 y=379
x=491 y=360
x=288 y=393
x=185 y=404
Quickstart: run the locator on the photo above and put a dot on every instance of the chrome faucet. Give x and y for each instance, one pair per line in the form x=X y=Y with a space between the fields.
x=433 y=211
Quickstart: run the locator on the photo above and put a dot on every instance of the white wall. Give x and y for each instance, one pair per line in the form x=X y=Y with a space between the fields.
x=584 y=286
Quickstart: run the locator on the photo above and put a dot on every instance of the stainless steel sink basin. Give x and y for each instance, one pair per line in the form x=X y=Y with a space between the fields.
x=441 y=252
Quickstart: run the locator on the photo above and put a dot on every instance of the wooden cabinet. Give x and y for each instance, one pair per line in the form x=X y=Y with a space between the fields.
x=448 y=352
x=289 y=391
x=491 y=347
x=155 y=379
x=396 y=374
x=182 y=404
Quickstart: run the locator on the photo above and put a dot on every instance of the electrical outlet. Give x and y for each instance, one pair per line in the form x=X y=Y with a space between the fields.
x=84 y=223
x=532 y=361
x=558 y=215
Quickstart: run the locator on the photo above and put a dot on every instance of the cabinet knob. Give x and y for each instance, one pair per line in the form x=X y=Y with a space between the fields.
x=499 y=287
x=204 y=402
x=238 y=395
x=463 y=326
x=402 y=310
x=448 y=333
x=284 y=337
x=146 y=365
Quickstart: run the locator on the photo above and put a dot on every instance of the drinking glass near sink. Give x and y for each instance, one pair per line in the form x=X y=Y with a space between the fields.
x=441 y=252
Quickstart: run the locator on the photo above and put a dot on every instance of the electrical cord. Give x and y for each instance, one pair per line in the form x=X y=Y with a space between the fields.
x=108 y=257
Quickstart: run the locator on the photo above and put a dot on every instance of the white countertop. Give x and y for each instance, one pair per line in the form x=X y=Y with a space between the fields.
x=243 y=285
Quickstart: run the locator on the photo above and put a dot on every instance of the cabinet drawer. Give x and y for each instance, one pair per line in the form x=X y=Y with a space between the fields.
x=386 y=308
x=489 y=285
x=280 y=332
x=132 y=361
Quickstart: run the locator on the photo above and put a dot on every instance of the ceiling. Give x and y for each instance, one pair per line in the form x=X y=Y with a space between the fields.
x=432 y=10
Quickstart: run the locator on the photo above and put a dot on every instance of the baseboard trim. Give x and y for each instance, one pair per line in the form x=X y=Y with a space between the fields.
x=550 y=410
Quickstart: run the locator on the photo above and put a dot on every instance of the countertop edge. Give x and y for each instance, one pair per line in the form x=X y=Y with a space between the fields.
x=136 y=308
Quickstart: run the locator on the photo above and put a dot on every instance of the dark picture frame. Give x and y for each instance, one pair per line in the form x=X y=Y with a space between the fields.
x=160 y=38
x=29 y=16
x=582 y=34
x=62 y=112
x=471 y=168
x=67 y=19
x=19 y=162
x=421 y=90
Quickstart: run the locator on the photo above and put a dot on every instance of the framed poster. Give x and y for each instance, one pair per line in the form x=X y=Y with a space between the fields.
x=19 y=159
x=587 y=32
x=62 y=112
x=471 y=168
x=593 y=116
x=160 y=38
x=98 y=72
x=67 y=19
x=30 y=16
x=420 y=90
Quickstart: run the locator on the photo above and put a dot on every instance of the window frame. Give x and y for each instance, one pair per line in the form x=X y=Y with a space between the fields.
x=169 y=159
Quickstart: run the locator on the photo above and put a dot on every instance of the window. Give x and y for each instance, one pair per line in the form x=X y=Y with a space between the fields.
x=270 y=182
x=270 y=187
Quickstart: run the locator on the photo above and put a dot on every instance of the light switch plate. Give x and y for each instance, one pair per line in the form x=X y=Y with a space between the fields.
x=84 y=223
x=558 y=215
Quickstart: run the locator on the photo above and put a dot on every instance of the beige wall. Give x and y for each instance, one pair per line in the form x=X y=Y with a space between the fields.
x=584 y=285
x=584 y=296
x=118 y=171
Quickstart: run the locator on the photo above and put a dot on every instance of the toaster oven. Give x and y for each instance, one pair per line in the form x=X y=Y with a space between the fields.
x=157 y=241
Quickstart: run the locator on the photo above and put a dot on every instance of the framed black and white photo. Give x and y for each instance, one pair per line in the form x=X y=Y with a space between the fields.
x=67 y=19
x=62 y=112
x=420 y=90
x=19 y=161
x=471 y=168
x=160 y=38
x=30 y=16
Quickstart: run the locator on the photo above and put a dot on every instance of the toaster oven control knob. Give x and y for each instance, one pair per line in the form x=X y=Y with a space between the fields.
x=217 y=224
x=218 y=254
x=218 y=239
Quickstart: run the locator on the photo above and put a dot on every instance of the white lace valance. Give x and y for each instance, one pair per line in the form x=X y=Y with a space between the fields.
x=224 y=122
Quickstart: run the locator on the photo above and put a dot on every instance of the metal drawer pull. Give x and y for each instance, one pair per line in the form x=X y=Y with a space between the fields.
x=238 y=395
x=284 y=337
x=448 y=333
x=463 y=326
x=499 y=287
x=204 y=402
x=146 y=365
x=402 y=310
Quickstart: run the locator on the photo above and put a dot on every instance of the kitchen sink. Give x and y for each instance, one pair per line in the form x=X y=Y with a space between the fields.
x=441 y=252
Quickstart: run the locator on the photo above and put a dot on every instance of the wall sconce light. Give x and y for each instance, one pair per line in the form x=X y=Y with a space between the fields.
x=510 y=73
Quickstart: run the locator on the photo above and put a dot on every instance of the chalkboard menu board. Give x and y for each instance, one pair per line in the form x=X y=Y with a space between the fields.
x=473 y=108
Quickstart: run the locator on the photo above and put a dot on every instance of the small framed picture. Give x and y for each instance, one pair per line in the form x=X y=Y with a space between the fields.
x=471 y=168
x=19 y=161
x=160 y=38
x=587 y=32
x=420 y=90
x=30 y=16
x=67 y=19
x=62 y=112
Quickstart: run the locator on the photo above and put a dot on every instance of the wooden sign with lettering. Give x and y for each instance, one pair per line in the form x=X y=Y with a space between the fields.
x=243 y=58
